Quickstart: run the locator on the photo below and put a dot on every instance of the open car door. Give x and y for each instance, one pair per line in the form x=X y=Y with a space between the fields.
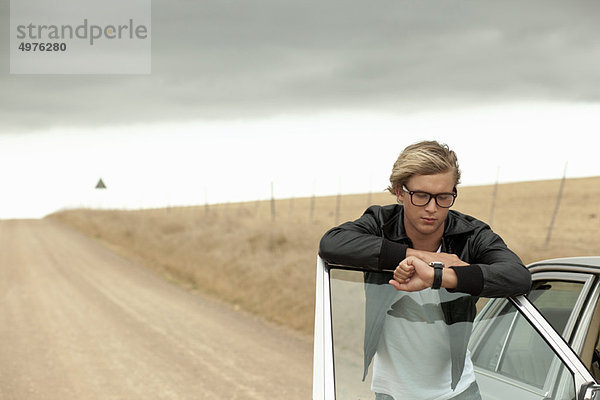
x=514 y=351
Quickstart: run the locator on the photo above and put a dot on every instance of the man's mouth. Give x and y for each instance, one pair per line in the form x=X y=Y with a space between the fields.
x=428 y=220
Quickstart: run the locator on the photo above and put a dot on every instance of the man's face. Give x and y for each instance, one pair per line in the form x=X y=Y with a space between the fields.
x=422 y=221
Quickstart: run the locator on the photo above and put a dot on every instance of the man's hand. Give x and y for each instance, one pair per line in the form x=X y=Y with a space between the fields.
x=449 y=260
x=403 y=272
x=412 y=274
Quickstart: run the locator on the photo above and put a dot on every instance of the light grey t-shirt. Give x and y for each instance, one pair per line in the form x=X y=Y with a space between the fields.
x=413 y=355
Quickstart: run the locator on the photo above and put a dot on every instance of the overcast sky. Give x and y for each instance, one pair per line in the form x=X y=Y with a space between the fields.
x=239 y=59
x=231 y=78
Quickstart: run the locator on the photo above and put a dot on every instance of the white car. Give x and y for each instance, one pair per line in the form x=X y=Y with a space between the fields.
x=541 y=346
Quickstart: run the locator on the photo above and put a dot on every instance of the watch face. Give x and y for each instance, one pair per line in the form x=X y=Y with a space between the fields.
x=436 y=264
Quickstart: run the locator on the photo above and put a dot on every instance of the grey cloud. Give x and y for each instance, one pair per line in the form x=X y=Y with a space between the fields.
x=234 y=59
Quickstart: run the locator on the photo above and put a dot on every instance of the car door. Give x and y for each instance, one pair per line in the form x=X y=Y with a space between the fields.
x=515 y=352
x=566 y=292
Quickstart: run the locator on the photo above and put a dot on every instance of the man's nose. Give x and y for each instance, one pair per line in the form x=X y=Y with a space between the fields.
x=432 y=205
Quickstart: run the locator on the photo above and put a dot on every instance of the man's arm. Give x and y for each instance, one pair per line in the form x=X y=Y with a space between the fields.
x=498 y=272
x=361 y=243
x=495 y=270
x=414 y=274
x=449 y=260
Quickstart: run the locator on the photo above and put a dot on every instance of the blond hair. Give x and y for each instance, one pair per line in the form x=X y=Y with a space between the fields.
x=423 y=158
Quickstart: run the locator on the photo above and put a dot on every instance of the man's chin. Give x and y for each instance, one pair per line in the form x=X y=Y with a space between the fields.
x=428 y=229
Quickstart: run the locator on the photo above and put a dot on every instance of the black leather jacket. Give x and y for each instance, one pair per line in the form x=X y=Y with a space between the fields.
x=377 y=241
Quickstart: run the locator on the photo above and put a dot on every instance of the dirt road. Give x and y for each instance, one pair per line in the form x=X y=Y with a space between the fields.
x=79 y=322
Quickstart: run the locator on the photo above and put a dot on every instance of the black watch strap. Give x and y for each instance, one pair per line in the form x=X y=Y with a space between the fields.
x=437 y=274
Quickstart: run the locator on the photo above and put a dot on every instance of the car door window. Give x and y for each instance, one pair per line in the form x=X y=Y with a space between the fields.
x=591 y=357
x=506 y=348
x=556 y=300
x=509 y=357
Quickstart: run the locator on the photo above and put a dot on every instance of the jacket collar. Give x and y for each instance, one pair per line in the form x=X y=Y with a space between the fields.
x=456 y=223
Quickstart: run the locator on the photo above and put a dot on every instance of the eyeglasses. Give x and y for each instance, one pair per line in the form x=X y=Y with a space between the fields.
x=421 y=199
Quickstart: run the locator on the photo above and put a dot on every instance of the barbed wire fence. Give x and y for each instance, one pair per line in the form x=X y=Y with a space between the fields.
x=333 y=209
x=553 y=216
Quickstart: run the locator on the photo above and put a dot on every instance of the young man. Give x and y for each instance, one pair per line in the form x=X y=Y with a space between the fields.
x=442 y=260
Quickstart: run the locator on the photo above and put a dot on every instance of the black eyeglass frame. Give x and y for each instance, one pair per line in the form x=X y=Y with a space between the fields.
x=435 y=196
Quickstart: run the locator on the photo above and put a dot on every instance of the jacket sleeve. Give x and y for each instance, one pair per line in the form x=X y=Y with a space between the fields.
x=495 y=270
x=361 y=243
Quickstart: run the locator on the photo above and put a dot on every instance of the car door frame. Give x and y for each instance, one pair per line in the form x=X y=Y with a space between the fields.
x=577 y=326
x=323 y=359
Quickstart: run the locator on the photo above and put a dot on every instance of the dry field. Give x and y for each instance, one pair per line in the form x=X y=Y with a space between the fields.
x=239 y=254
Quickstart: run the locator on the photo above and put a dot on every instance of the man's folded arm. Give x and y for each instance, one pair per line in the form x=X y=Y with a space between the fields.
x=360 y=244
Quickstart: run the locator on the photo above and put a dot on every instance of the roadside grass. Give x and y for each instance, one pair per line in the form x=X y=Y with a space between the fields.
x=240 y=254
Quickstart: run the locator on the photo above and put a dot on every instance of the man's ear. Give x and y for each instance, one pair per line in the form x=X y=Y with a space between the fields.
x=398 y=197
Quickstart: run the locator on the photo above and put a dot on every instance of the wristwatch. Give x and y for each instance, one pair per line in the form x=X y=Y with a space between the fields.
x=437 y=274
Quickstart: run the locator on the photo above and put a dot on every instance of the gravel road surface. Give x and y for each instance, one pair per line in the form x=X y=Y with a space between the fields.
x=79 y=322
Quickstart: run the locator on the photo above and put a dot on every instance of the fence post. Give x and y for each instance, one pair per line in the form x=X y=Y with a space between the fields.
x=312 y=205
x=338 y=203
x=256 y=208
x=560 y=192
x=291 y=207
x=272 y=203
x=206 y=207
x=369 y=195
x=494 y=198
